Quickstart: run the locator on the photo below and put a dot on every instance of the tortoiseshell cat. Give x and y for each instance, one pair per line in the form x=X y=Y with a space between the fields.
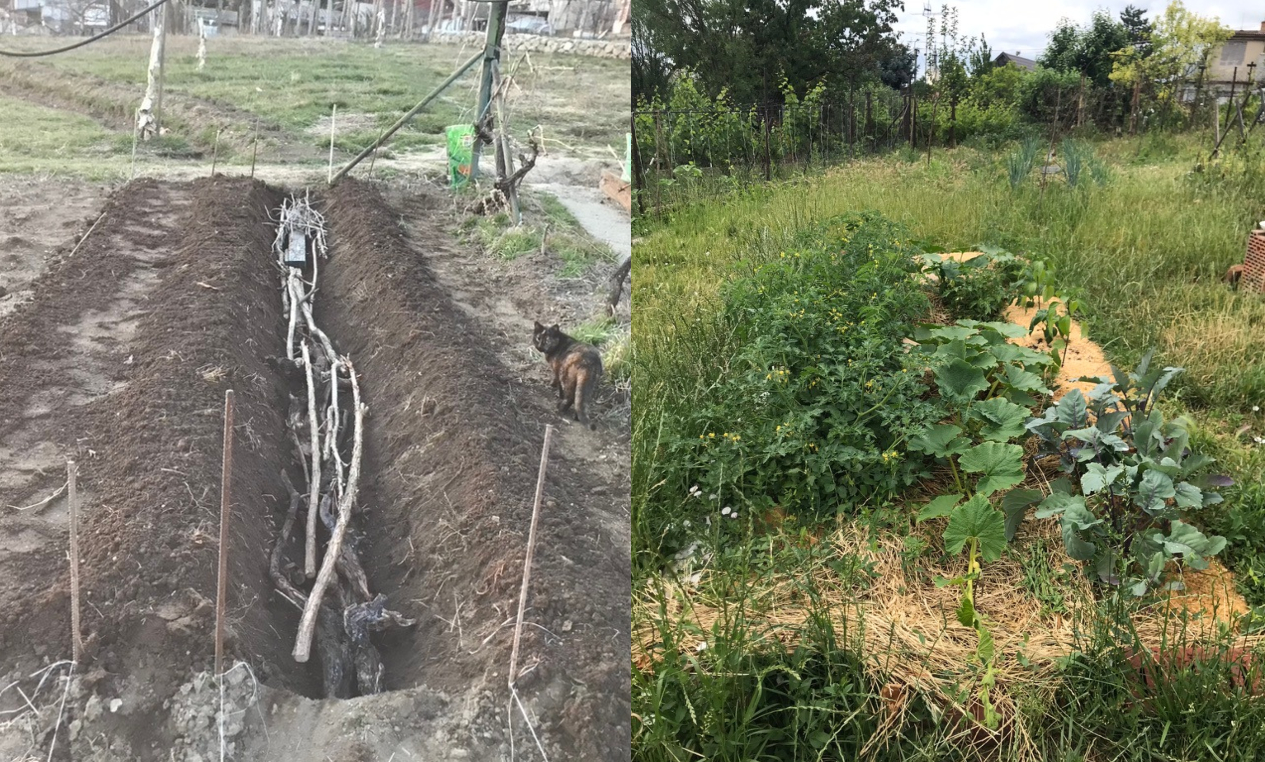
x=577 y=367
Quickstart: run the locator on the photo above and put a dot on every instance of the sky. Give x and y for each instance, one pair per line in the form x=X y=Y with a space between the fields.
x=1024 y=27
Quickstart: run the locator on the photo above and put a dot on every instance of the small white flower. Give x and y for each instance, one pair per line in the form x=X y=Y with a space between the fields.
x=1256 y=408
x=733 y=515
x=711 y=497
x=724 y=511
x=701 y=647
x=1259 y=440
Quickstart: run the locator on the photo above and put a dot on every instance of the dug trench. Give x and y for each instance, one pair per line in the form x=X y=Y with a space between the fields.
x=452 y=443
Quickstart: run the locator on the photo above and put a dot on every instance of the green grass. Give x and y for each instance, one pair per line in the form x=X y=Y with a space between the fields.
x=1145 y=253
x=38 y=139
x=581 y=101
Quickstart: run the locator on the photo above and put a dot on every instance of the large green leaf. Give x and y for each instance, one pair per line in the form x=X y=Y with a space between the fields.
x=966 y=611
x=1192 y=544
x=959 y=379
x=1003 y=420
x=956 y=333
x=1057 y=503
x=976 y=519
x=1000 y=464
x=1023 y=380
x=1077 y=518
x=1154 y=489
x=1015 y=504
x=1073 y=410
x=940 y=440
x=1097 y=478
x=938 y=508
x=1188 y=495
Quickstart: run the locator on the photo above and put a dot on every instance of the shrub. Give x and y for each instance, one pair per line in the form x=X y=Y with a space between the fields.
x=816 y=409
x=981 y=287
x=1131 y=478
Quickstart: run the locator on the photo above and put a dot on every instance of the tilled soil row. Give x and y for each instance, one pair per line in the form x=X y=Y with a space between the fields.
x=452 y=453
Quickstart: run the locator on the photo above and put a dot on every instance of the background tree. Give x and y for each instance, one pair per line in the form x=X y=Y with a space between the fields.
x=1181 y=42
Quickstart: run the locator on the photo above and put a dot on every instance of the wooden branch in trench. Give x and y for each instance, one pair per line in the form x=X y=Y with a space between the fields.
x=309 y=564
x=287 y=590
x=303 y=644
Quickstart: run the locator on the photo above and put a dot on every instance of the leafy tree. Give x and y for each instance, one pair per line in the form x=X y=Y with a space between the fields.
x=1000 y=85
x=1060 y=53
x=980 y=57
x=1181 y=42
x=954 y=85
x=1138 y=28
x=1087 y=51
x=746 y=46
x=1047 y=92
x=898 y=68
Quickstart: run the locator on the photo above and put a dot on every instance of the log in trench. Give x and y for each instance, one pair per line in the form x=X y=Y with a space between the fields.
x=329 y=587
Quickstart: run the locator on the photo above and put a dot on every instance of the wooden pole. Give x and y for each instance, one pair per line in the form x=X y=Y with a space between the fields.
x=491 y=58
x=411 y=113
x=162 y=64
x=531 y=551
x=76 y=631
x=221 y=591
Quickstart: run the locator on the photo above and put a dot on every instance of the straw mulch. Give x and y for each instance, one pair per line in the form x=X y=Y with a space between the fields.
x=905 y=627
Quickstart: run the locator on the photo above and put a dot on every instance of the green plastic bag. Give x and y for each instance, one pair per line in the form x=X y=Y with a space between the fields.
x=460 y=153
x=628 y=159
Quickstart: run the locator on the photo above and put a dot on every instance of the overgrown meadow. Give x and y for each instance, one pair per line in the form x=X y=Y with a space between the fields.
x=846 y=469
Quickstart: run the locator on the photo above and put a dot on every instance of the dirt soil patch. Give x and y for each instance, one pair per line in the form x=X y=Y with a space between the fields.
x=120 y=359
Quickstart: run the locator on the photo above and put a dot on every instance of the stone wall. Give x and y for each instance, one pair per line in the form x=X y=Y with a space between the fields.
x=530 y=43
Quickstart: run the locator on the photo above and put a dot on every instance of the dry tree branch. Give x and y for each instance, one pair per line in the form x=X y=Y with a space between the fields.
x=309 y=565
x=287 y=590
x=303 y=644
x=56 y=493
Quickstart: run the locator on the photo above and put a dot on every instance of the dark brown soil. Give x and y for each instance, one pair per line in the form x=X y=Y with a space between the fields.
x=455 y=450
x=121 y=360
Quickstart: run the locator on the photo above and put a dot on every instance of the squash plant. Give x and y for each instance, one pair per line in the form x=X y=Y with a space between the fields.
x=970 y=360
x=1130 y=477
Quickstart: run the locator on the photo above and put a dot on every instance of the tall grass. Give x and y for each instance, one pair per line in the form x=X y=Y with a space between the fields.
x=1145 y=252
x=1144 y=248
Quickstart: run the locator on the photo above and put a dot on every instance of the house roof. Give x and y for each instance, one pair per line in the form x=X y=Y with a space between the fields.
x=1017 y=60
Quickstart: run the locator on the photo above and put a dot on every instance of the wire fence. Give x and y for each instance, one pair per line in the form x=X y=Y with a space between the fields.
x=676 y=149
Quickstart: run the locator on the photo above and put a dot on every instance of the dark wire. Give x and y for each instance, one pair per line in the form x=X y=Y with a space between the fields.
x=81 y=43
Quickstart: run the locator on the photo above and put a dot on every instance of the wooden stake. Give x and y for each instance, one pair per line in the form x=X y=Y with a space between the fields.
x=226 y=482
x=333 y=115
x=531 y=551
x=215 y=152
x=255 y=152
x=76 y=632
x=135 y=132
x=307 y=624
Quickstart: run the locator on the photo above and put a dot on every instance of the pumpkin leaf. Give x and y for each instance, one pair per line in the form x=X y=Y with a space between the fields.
x=976 y=519
x=1000 y=464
